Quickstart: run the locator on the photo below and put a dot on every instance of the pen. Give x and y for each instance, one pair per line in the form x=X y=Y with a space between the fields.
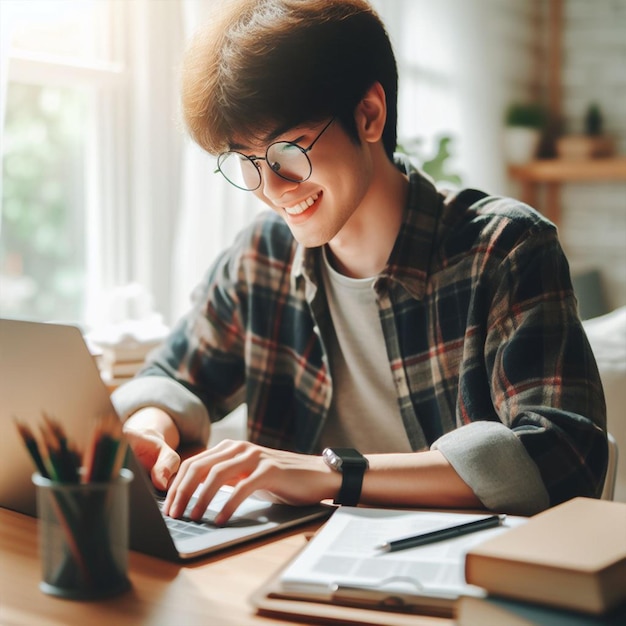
x=441 y=534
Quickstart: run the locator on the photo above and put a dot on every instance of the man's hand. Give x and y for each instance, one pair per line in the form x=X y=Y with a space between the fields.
x=154 y=438
x=285 y=477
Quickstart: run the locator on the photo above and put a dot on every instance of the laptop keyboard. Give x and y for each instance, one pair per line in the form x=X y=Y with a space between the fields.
x=185 y=527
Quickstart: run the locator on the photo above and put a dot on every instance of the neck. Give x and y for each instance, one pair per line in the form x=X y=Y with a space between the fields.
x=363 y=246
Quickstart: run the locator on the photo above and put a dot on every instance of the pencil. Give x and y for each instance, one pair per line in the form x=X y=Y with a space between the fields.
x=440 y=535
x=65 y=462
x=104 y=450
x=58 y=459
x=31 y=445
x=81 y=513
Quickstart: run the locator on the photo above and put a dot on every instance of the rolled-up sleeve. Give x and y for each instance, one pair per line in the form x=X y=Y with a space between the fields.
x=509 y=481
x=185 y=408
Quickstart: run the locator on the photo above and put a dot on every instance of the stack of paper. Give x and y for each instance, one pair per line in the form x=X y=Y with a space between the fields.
x=121 y=349
x=344 y=564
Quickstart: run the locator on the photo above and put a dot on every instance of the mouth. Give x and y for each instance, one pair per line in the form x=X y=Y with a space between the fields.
x=301 y=207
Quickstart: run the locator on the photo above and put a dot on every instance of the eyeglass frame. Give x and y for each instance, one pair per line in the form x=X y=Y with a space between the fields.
x=253 y=159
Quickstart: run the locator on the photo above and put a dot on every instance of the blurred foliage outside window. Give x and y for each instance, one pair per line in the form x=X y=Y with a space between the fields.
x=42 y=237
x=49 y=111
x=436 y=165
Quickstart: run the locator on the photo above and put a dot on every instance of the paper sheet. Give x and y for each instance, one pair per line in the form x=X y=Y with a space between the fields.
x=344 y=553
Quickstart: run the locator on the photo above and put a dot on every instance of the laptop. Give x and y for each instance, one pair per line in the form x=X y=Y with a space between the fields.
x=48 y=368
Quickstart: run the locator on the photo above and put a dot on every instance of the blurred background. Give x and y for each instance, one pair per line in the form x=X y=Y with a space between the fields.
x=102 y=192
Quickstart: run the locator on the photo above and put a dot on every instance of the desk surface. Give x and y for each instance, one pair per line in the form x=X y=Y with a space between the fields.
x=213 y=591
x=210 y=591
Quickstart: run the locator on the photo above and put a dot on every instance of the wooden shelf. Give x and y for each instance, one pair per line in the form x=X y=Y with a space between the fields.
x=562 y=170
x=551 y=173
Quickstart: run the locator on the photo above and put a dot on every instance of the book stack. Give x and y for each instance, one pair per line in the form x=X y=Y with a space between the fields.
x=498 y=611
x=120 y=363
x=121 y=349
x=566 y=565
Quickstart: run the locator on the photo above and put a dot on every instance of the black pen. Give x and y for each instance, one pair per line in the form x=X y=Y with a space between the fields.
x=441 y=534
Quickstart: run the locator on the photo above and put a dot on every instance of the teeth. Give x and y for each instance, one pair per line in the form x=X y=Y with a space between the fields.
x=301 y=207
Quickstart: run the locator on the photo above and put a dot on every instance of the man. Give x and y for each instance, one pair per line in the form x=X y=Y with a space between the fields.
x=434 y=336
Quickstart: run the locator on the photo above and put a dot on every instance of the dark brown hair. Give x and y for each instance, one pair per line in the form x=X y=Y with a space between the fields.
x=261 y=66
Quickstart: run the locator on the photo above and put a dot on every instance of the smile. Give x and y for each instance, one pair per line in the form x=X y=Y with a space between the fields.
x=301 y=207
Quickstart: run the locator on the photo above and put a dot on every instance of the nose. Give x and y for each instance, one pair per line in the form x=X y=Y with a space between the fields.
x=272 y=185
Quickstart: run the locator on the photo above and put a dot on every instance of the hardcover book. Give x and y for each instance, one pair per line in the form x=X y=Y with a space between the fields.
x=572 y=556
x=491 y=611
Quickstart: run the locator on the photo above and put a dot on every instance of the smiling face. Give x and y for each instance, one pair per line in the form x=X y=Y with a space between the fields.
x=343 y=175
x=318 y=208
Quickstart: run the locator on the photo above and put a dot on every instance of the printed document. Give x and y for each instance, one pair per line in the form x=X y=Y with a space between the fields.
x=345 y=554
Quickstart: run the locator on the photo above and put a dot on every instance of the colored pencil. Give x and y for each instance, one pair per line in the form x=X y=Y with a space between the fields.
x=31 y=445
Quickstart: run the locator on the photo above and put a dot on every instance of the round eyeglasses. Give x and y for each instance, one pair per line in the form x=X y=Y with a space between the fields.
x=285 y=158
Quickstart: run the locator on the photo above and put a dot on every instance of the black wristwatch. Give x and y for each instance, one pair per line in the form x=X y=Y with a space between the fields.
x=352 y=465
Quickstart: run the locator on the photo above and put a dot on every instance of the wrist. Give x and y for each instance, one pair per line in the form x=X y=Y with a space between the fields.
x=154 y=421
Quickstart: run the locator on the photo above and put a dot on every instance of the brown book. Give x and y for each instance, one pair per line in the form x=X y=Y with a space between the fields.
x=572 y=556
x=492 y=611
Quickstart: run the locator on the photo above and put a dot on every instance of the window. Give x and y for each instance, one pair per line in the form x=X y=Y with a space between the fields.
x=62 y=93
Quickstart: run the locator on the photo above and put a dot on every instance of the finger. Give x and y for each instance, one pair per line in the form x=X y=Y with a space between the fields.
x=144 y=449
x=179 y=479
x=193 y=471
x=177 y=498
x=229 y=471
x=244 y=489
x=165 y=468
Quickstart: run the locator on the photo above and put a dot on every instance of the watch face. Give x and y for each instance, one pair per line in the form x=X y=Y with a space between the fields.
x=339 y=458
x=331 y=458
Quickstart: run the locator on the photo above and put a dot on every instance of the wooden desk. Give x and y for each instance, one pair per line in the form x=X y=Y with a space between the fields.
x=211 y=591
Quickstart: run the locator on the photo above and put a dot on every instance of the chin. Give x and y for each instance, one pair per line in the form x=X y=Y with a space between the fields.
x=309 y=240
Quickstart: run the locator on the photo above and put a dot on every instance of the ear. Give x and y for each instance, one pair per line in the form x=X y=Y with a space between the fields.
x=371 y=114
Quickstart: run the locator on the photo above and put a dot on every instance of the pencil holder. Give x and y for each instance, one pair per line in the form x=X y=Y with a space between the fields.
x=83 y=537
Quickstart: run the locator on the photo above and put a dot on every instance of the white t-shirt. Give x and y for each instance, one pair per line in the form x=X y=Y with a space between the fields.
x=364 y=412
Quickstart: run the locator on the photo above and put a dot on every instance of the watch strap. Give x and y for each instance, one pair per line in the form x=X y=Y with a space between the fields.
x=352 y=467
x=351 y=485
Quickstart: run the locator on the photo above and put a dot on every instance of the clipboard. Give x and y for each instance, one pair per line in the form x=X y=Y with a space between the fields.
x=349 y=606
x=302 y=588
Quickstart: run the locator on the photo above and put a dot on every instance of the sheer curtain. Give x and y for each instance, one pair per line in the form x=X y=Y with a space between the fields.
x=211 y=211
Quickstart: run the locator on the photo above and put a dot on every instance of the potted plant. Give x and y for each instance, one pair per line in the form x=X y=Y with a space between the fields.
x=524 y=124
x=592 y=143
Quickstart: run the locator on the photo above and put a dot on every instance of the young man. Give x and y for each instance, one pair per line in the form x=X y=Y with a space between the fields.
x=434 y=336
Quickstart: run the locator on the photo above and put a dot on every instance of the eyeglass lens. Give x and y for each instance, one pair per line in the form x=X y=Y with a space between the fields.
x=286 y=159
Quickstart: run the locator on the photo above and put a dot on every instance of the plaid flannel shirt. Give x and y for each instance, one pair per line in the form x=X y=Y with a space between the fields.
x=482 y=333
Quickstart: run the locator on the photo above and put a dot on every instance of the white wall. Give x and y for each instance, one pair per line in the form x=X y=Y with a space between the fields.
x=593 y=229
